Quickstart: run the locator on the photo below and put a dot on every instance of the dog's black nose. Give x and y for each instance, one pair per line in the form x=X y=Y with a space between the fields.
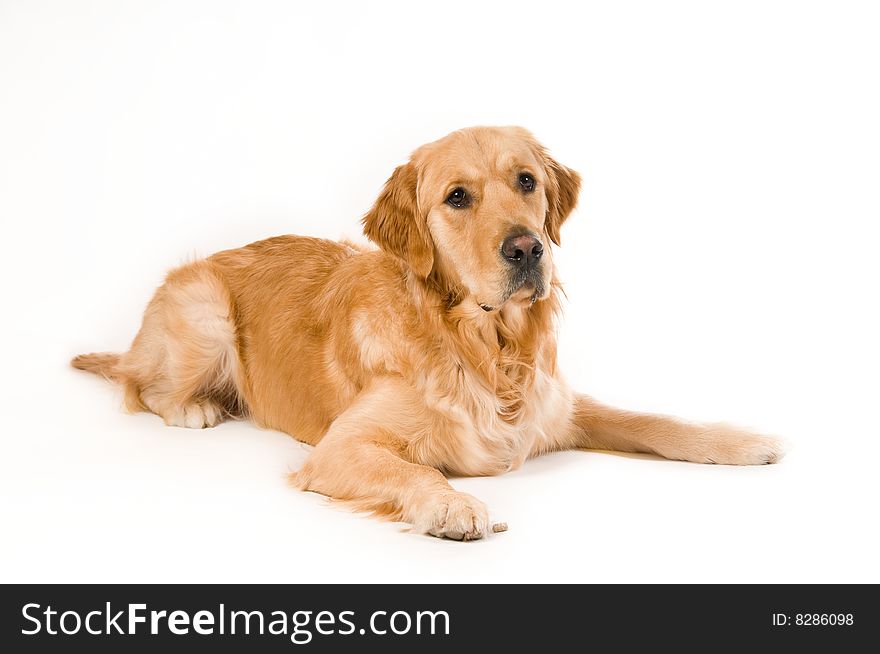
x=522 y=250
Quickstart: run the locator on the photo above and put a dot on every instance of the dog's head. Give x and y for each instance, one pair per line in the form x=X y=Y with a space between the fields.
x=478 y=209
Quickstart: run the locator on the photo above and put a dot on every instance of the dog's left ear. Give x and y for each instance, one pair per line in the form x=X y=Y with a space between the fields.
x=396 y=225
x=563 y=187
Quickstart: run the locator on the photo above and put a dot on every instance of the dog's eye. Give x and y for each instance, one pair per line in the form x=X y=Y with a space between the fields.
x=458 y=198
x=526 y=182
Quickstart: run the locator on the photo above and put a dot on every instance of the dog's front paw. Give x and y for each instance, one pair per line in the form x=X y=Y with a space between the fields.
x=454 y=515
x=725 y=444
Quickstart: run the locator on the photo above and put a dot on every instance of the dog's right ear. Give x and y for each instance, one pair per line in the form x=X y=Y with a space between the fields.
x=396 y=225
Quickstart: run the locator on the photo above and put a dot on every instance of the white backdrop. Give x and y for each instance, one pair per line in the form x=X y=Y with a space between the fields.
x=722 y=265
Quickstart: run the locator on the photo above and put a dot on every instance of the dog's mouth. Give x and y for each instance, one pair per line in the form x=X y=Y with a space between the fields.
x=525 y=287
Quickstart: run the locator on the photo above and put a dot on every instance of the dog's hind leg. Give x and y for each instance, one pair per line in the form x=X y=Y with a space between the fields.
x=183 y=365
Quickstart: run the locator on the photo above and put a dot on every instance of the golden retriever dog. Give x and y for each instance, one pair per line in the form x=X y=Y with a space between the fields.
x=430 y=356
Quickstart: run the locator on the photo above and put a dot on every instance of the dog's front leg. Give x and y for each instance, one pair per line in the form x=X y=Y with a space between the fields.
x=597 y=426
x=365 y=459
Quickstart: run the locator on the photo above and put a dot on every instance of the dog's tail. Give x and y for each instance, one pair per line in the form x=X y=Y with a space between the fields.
x=100 y=363
x=110 y=366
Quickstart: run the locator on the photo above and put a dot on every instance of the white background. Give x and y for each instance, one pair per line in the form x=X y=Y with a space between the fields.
x=722 y=265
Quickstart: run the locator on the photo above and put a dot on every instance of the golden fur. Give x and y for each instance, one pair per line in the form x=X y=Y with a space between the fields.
x=426 y=357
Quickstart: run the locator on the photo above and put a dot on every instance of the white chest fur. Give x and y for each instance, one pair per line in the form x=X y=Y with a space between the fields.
x=484 y=442
x=475 y=421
